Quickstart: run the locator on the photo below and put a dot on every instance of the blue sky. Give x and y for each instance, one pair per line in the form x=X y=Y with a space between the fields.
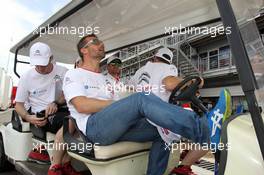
x=19 y=18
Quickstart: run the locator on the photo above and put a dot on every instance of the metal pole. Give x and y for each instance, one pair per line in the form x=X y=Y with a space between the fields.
x=243 y=66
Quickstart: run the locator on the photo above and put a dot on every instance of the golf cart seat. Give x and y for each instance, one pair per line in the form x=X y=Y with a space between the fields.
x=18 y=123
x=41 y=134
x=120 y=158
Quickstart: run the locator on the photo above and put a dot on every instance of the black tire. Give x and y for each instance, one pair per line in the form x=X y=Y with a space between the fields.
x=4 y=164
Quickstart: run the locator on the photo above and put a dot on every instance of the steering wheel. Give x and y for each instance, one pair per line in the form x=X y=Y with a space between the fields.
x=182 y=92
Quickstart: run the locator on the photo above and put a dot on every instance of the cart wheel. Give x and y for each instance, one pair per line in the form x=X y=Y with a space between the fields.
x=4 y=164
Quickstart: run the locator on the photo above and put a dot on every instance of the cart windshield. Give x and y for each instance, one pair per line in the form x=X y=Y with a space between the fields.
x=253 y=35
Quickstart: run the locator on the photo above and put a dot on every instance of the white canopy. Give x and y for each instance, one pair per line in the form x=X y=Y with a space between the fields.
x=124 y=22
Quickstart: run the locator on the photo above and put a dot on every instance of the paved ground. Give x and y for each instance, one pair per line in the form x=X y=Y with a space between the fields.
x=10 y=173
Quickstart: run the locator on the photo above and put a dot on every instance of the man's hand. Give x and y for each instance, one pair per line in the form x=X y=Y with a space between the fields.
x=202 y=83
x=192 y=81
x=51 y=109
x=39 y=122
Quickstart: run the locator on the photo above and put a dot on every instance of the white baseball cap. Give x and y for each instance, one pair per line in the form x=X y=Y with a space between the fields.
x=112 y=58
x=40 y=54
x=165 y=53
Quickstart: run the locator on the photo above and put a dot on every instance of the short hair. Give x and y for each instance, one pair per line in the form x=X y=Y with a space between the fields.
x=82 y=43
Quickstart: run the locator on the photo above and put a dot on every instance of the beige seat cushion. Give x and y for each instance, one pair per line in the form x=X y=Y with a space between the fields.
x=25 y=126
x=120 y=149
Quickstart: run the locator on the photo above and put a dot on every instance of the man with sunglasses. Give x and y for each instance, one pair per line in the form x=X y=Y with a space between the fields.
x=105 y=122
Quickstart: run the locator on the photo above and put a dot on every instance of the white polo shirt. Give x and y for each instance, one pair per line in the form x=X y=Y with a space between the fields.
x=151 y=76
x=39 y=90
x=81 y=82
x=117 y=87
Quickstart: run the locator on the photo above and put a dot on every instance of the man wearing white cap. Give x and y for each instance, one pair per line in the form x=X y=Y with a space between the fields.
x=41 y=88
x=160 y=77
x=113 y=76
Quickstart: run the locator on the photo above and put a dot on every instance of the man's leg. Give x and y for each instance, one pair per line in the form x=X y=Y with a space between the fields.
x=61 y=160
x=143 y=131
x=193 y=156
x=114 y=121
x=59 y=148
x=109 y=125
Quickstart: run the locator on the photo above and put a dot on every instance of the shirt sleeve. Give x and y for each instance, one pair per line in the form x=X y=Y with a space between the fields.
x=170 y=71
x=22 y=93
x=72 y=86
x=132 y=81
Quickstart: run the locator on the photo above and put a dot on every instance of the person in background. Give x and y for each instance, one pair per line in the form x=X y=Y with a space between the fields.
x=113 y=76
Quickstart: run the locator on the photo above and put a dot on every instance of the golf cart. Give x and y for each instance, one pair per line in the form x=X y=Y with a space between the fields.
x=126 y=23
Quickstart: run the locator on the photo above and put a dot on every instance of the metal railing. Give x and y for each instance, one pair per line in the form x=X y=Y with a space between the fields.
x=136 y=56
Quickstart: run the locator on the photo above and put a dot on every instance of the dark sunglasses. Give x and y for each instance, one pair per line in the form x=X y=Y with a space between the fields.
x=94 y=41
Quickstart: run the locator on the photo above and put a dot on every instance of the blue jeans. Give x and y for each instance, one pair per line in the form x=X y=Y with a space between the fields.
x=125 y=120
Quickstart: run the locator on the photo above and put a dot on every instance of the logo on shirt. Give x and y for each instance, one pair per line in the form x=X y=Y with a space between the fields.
x=91 y=87
x=38 y=92
x=68 y=80
x=57 y=78
x=144 y=77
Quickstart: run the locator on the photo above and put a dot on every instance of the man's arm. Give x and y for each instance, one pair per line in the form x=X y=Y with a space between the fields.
x=20 y=109
x=53 y=107
x=89 y=105
x=171 y=82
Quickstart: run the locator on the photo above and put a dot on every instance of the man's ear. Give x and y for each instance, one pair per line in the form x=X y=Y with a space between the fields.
x=83 y=51
x=51 y=59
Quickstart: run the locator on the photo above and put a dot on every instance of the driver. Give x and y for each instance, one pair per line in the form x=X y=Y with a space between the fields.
x=161 y=77
x=105 y=122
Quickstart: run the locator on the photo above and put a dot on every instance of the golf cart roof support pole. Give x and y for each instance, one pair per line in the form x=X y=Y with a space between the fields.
x=54 y=23
x=15 y=63
x=243 y=66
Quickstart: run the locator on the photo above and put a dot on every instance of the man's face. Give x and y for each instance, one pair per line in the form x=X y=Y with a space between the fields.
x=114 y=67
x=94 y=48
x=43 y=69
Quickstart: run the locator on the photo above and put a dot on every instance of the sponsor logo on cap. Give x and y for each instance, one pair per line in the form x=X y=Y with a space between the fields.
x=37 y=53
